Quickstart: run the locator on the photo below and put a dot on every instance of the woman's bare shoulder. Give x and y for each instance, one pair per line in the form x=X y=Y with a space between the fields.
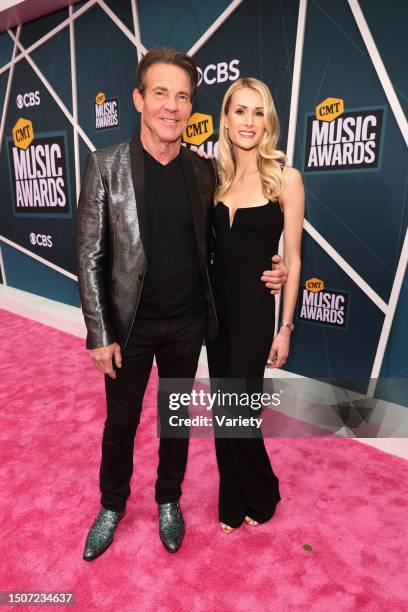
x=292 y=188
x=291 y=175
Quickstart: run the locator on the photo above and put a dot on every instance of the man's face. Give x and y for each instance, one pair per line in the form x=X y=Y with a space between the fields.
x=166 y=105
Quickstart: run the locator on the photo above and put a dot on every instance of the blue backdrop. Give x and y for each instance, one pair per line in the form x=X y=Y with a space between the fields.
x=351 y=321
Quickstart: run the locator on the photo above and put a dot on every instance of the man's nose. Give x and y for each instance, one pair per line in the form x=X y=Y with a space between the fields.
x=172 y=103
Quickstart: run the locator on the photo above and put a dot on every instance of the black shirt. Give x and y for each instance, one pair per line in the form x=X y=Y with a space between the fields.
x=173 y=284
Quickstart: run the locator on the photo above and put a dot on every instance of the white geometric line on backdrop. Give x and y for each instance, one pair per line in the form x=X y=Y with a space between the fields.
x=297 y=73
x=18 y=247
x=8 y=89
x=3 y=271
x=50 y=34
x=293 y=113
x=214 y=27
x=345 y=266
x=72 y=49
x=380 y=68
x=53 y=93
x=132 y=37
x=403 y=125
x=3 y=122
x=136 y=27
x=392 y=306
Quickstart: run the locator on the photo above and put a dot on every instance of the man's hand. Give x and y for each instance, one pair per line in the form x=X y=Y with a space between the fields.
x=275 y=279
x=102 y=358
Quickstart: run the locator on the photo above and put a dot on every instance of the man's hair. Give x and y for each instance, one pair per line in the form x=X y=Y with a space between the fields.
x=166 y=55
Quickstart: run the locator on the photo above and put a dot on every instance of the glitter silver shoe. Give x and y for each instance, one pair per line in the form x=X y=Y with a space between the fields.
x=171 y=526
x=100 y=535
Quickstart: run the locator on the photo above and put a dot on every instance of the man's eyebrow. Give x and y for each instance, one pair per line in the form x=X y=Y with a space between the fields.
x=163 y=88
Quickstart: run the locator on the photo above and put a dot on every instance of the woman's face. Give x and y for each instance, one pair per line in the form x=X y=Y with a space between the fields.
x=245 y=118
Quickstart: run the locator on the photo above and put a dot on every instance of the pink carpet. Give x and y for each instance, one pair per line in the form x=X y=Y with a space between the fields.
x=346 y=500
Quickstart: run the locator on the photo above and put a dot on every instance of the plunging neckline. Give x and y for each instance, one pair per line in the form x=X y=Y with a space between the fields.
x=231 y=223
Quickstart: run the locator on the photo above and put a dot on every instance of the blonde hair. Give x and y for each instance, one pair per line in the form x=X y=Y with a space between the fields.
x=270 y=160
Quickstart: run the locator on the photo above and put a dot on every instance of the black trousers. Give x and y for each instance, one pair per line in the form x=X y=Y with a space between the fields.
x=248 y=484
x=176 y=344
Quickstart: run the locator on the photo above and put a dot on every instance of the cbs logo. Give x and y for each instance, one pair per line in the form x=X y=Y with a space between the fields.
x=41 y=239
x=218 y=73
x=31 y=98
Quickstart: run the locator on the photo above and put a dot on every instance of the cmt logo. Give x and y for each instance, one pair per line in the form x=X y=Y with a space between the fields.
x=23 y=133
x=41 y=240
x=198 y=129
x=314 y=285
x=31 y=98
x=100 y=98
x=329 y=109
x=218 y=73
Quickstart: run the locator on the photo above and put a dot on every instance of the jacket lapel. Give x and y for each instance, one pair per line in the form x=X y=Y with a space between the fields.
x=138 y=178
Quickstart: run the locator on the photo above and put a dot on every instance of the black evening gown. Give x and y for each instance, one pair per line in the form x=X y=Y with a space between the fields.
x=246 y=313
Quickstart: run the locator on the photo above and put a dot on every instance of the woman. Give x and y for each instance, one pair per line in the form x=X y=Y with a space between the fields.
x=257 y=197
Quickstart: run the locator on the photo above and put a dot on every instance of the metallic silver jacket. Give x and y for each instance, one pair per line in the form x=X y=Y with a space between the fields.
x=112 y=237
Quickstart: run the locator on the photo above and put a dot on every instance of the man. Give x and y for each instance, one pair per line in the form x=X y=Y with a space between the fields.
x=142 y=248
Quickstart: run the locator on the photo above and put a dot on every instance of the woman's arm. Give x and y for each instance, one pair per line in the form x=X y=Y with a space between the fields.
x=293 y=203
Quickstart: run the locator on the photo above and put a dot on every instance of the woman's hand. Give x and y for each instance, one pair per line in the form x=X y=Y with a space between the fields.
x=202 y=153
x=279 y=349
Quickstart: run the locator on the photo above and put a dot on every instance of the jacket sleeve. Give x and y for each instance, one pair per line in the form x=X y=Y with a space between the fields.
x=211 y=231
x=92 y=250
